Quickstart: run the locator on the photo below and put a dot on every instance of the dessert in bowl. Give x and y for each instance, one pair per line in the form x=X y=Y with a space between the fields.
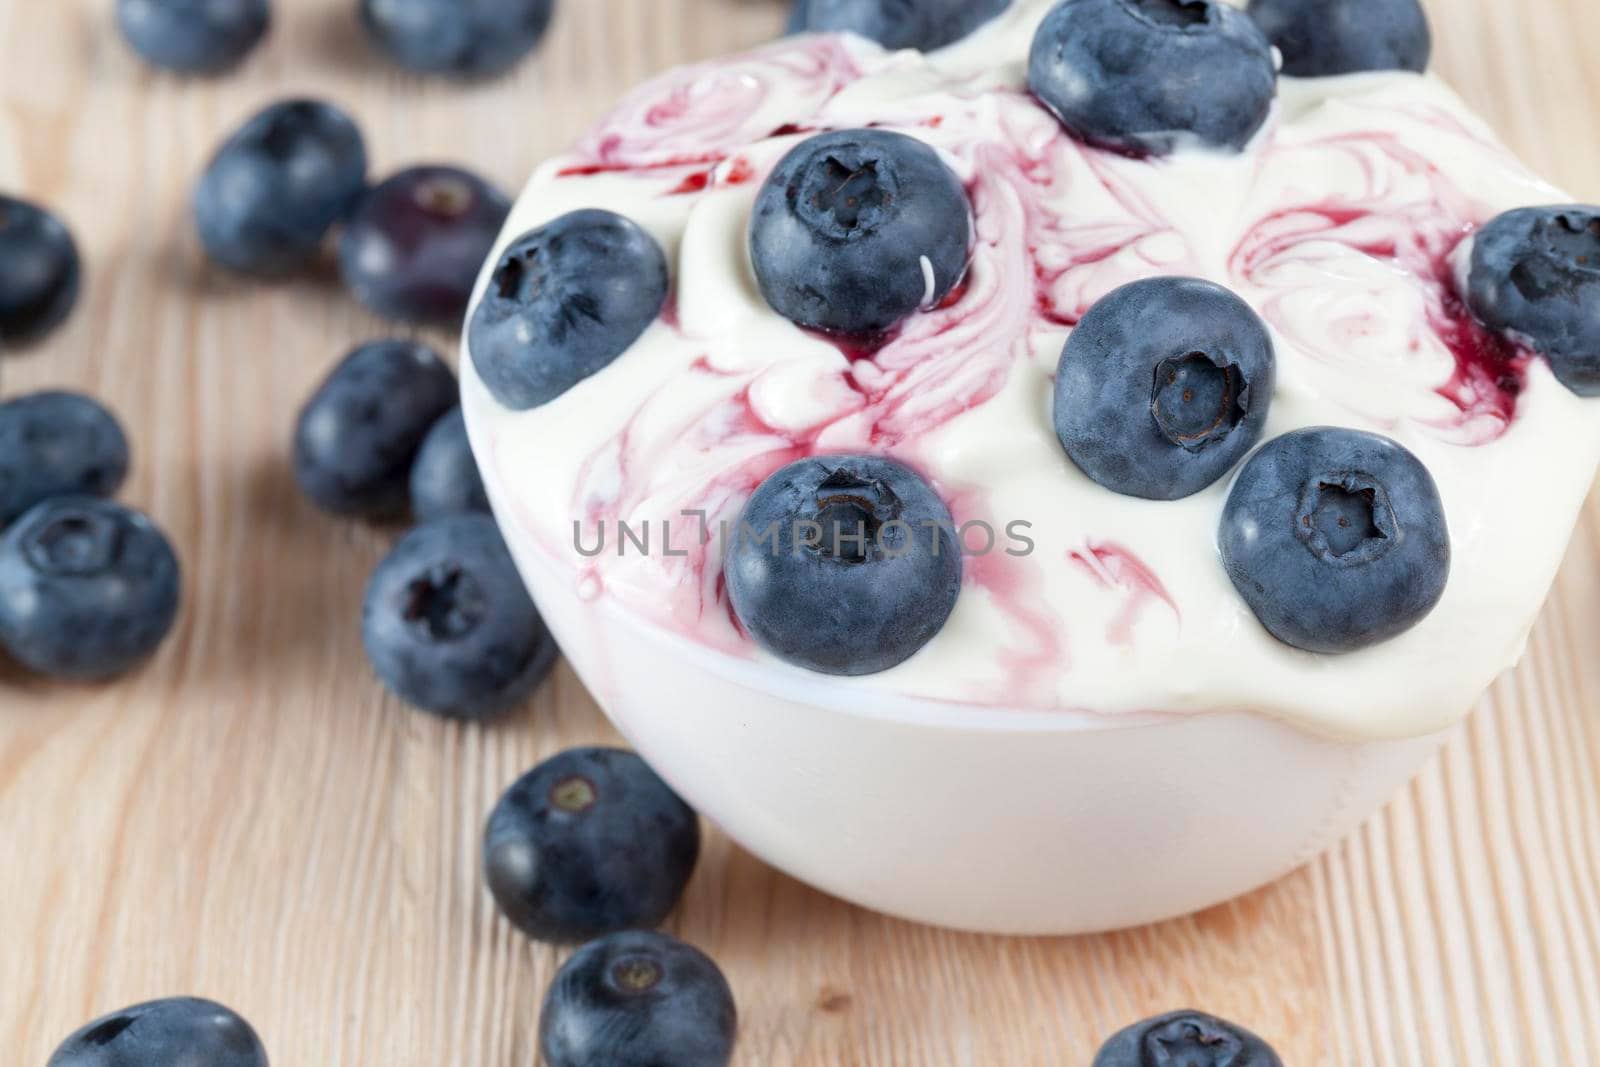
x=1200 y=459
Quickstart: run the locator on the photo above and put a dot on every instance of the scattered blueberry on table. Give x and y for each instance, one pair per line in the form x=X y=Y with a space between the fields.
x=855 y=230
x=194 y=36
x=414 y=244
x=57 y=444
x=638 y=999
x=1186 y=1039
x=565 y=300
x=1164 y=386
x=448 y=624
x=925 y=25
x=462 y=38
x=1121 y=74
x=177 y=1032
x=1336 y=539
x=39 y=271
x=1324 y=37
x=589 y=842
x=1534 y=277
x=274 y=190
x=844 y=564
x=88 y=588
x=445 y=479
x=356 y=438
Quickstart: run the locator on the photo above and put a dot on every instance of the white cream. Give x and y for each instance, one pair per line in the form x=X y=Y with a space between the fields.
x=1337 y=225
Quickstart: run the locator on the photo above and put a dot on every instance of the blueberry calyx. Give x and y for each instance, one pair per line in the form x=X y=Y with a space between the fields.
x=633 y=976
x=72 y=544
x=1187 y=1037
x=851 y=515
x=1198 y=399
x=574 y=795
x=1346 y=519
x=445 y=603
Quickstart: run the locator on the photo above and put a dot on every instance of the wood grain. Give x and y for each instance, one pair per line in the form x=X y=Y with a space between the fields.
x=251 y=819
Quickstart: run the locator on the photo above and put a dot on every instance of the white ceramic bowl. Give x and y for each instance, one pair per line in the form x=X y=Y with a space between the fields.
x=1019 y=822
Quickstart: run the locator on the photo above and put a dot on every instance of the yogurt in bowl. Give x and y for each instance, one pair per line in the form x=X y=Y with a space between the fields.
x=1102 y=733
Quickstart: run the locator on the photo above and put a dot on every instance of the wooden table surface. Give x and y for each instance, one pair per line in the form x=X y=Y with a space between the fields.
x=250 y=818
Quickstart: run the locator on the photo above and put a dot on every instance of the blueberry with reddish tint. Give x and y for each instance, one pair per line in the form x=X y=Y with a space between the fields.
x=39 y=271
x=445 y=478
x=587 y=843
x=844 y=565
x=1145 y=77
x=1336 y=539
x=463 y=38
x=448 y=625
x=1186 y=1039
x=88 y=588
x=925 y=25
x=1322 y=37
x=565 y=301
x=638 y=999
x=856 y=230
x=275 y=188
x=1534 y=276
x=57 y=444
x=1163 y=387
x=415 y=244
x=194 y=36
x=164 y=1033
x=358 y=435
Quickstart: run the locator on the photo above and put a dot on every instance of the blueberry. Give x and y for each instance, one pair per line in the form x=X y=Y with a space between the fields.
x=358 y=435
x=39 y=271
x=565 y=301
x=463 y=38
x=1336 y=539
x=1186 y=1039
x=445 y=478
x=449 y=626
x=1535 y=276
x=57 y=444
x=857 y=229
x=164 y=1033
x=1163 y=387
x=921 y=24
x=844 y=564
x=638 y=999
x=587 y=843
x=275 y=188
x=88 y=588
x=1320 y=37
x=1146 y=76
x=194 y=36
x=414 y=245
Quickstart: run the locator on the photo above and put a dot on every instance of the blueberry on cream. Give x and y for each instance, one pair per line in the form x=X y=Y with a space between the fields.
x=925 y=25
x=1126 y=74
x=164 y=1033
x=1163 y=387
x=565 y=301
x=638 y=999
x=1534 y=276
x=1336 y=539
x=844 y=565
x=1186 y=1039
x=856 y=230
x=1323 y=37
